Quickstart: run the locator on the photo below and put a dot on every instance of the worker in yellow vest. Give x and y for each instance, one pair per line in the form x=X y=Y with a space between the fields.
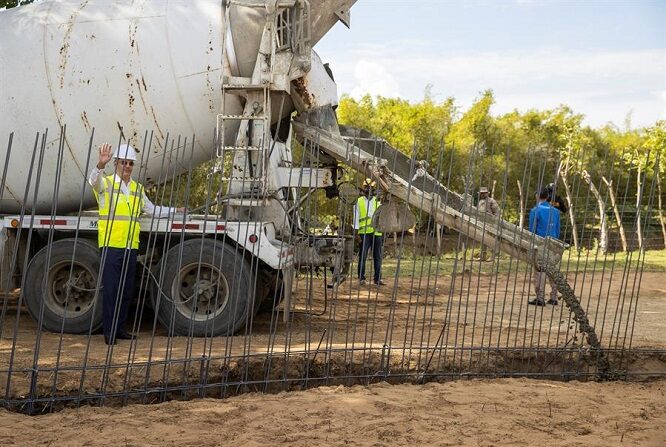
x=121 y=201
x=369 y=239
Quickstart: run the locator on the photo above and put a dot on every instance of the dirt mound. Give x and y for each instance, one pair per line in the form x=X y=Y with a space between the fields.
x=468 y=412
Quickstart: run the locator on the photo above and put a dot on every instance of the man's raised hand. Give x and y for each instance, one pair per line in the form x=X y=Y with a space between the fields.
x=105 y=155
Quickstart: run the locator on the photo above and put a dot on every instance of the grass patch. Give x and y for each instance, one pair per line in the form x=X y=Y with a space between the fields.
x=446 y=264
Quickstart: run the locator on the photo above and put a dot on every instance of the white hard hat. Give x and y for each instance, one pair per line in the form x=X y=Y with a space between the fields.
x=125 y=152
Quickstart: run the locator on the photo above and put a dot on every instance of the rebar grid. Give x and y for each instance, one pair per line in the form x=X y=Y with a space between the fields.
x=444 y=313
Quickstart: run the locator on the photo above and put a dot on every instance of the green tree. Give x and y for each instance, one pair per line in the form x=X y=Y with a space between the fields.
x=655 y=144
x=476 y=126
x=523 y=151
x=13 y=3
x=402 y=124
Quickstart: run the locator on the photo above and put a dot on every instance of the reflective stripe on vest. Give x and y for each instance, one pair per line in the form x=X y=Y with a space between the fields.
x=364 y=220
x=118 y=224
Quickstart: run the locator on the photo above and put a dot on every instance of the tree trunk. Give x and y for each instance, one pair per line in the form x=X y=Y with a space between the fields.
x=659 y=211
x=438 y=230
x=603 y=233
x=521 y=220
x=616 y=211
x=639 y=199
x=567 y=191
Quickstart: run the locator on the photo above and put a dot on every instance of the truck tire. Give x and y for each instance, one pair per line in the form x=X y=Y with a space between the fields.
x=68 y=290
x=205 y=289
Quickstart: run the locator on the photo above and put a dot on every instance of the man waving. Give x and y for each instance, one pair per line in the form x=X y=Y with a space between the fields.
x=121 y=201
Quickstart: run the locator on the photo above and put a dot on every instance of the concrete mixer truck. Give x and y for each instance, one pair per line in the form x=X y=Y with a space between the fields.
x=234 y=73
x=226 y=71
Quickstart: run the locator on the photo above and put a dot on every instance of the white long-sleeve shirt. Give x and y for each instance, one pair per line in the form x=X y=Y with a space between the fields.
x=370 y=205
x=95 y=181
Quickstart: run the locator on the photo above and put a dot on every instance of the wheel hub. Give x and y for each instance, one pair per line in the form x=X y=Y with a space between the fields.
x=201 y=292
x=70 y=289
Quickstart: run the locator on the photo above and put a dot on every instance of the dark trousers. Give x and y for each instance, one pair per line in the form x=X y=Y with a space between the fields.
x=118 y=269
x=374 y=243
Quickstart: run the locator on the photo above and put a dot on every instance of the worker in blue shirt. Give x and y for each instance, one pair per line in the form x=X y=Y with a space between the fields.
x=544 y=221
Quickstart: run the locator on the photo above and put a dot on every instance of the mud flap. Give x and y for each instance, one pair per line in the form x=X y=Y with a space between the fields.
x=6 y=244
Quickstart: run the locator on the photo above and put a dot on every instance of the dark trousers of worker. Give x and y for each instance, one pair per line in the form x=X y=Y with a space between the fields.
x=118 y=270
x=370 y=242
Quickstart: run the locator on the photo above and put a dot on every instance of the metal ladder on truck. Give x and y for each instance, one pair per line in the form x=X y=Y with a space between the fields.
x=286 y=35
x=243 y=166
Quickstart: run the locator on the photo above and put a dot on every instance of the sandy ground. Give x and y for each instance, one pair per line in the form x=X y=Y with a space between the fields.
x=408 y=325
x=361 y=331
x=467 y=412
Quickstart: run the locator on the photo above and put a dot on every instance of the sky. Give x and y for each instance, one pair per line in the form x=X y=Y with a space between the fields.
x=604 y=59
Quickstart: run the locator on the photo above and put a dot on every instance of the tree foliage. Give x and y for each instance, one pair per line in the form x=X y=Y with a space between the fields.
x=534 y=147
x=13 y=3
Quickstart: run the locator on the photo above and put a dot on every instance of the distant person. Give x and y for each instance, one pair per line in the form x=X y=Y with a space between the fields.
x=487 y=205
x=555 y=199
x=121 y=201
x=544 y=221
x=369 y=238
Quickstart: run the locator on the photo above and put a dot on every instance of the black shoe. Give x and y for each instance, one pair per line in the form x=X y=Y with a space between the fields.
x=109 y=341
x=124 y=335
x=380 y=283
x=552 y=301
x=536 y=302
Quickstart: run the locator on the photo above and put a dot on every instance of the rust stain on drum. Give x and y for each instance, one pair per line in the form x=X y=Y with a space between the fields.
x=64 y=49
x=143 y=100
x=86 y=123
x=152 y=112
x=11 y=193
x=131 y=76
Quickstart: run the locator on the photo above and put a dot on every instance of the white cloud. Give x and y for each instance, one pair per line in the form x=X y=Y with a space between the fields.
x=604 y=85
x=662 y=96
x=518 y=67
x=373 y=78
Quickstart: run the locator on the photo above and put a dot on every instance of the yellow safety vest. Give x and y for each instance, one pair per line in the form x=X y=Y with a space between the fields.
x=118 y=224
x=365 y=221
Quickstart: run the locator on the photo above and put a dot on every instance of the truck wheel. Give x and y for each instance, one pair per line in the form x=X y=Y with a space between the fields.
x=205 y=289
x=68 y=290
